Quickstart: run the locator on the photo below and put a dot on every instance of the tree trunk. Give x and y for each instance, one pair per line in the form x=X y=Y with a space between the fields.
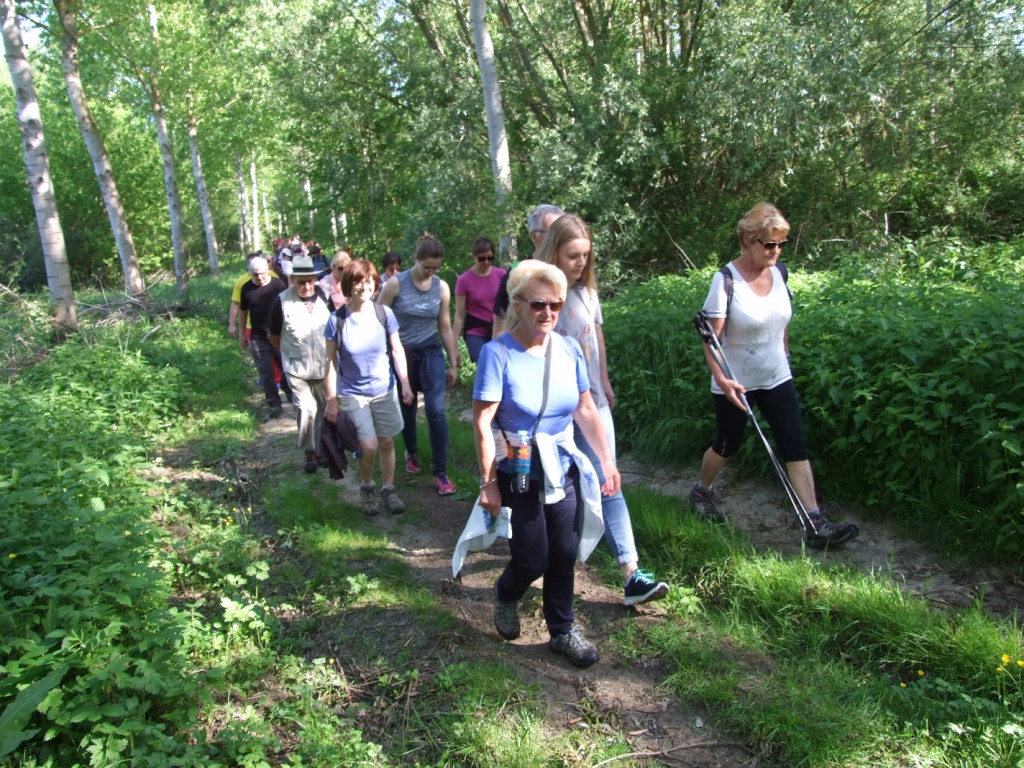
x=243 y=208
x=267 y=226
x=37 y=166
x=306 y=185
x=67 y=10
x=163 y=136
x=500 y=165
x=255 y=219
x=203 y=194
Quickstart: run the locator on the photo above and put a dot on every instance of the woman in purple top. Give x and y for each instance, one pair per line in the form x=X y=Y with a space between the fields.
x=474 y=298
x=359 y=337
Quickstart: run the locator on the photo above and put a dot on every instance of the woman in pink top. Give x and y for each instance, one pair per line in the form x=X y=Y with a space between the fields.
x=474 y=298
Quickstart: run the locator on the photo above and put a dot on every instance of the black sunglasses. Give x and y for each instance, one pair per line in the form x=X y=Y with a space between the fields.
x=485 y=258
x=772 y=244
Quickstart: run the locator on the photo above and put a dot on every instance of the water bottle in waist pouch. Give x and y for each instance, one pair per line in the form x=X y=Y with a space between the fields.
x=520 y=454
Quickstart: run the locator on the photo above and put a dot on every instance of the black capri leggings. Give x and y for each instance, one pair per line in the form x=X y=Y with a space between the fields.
x=781 y=408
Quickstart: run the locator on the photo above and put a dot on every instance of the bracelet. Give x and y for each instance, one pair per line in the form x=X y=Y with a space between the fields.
x=492 y=481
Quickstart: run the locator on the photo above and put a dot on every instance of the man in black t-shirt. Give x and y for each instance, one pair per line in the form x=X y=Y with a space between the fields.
x=258 y=298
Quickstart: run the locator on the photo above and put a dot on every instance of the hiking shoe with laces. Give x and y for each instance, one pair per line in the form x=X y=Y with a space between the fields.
x=412 y=463
x=389 y=498
x=704 y=503
x=825 y=533
x=445 y=487
x=575 y=647
x=642 y=588
x=368 y=500
x=506 y=617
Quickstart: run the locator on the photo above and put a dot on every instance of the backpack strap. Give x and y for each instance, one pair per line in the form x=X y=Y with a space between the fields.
x=729 y=282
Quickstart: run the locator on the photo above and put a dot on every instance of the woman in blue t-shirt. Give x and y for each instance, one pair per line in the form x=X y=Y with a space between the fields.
x=360 y=335
x=530 y=379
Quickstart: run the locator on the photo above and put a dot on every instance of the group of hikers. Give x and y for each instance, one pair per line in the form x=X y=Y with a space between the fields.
x=366 y=345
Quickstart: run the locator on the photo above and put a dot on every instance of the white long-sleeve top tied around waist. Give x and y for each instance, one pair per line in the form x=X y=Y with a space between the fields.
x=482 y=528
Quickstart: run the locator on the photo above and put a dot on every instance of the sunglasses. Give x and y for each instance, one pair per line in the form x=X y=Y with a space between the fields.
x=482 y=259
x=771 y=245
x=540 y=306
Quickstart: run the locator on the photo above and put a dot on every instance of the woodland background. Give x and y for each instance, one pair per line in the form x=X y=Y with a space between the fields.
x=659 y=122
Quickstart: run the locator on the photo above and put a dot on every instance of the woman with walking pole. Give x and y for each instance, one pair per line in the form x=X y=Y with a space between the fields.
x=748 y=310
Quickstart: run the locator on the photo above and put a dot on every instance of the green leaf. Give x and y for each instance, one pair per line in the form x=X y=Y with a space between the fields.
x=17 y=713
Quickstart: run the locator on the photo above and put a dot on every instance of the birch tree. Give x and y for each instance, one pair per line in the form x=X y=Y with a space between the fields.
x=37 y=168
x=151 y=85
x=498 y=141
x=202 y=192
x=67 y=12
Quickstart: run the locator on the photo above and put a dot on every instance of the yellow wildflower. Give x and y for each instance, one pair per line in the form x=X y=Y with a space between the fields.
x=1020 y=662
x=11 y=556
x=920 y=673
x=903 y=685
x=1006 y=658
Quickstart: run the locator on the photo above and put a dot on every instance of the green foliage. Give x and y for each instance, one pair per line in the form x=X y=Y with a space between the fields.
x=908 y=368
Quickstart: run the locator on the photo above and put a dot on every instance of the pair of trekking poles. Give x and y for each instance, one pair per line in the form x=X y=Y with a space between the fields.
x=820 y=534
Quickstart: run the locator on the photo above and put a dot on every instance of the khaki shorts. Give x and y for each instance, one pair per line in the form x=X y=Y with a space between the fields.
x=374 y=416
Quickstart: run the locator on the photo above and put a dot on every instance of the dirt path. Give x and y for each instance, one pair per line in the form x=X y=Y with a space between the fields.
x=615 y=696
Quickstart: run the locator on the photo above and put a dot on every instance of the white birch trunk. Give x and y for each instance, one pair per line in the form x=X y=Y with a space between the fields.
x=37 y=167
x=243 y=209
x=163 y=135
x=255 y=219
x=334 y=229
x=309 y=201
x=133 y=282
x=203 y=194
x=267 y=228
x=496 y=137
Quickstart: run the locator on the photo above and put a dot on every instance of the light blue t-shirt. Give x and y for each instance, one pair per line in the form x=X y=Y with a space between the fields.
x=516 y=380
x=363 y=365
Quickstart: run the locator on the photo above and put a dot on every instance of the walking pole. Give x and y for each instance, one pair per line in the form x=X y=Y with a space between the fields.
x=703 y=325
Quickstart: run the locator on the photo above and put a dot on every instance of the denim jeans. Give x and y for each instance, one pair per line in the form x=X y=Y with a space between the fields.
x=618 y=528
x=474 y=344
x=433 y=404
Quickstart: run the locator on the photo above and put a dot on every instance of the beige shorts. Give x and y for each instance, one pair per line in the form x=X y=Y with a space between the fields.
x=374 y=416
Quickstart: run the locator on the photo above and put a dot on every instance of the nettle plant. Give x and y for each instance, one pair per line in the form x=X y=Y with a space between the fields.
x=910 y=377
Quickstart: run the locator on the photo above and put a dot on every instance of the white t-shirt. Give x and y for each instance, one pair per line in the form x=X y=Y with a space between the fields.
x=579 y=319
x=754 y=337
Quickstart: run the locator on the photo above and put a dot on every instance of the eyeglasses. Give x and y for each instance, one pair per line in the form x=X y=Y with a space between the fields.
x=482 y=259
x=771 y=245
x=540 y=306
x=540 y=231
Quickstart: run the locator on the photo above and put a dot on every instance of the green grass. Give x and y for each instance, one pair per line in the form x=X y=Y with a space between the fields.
x=146 y=619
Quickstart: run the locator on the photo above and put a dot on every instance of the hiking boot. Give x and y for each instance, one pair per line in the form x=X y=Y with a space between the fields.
x=506 y=617
x=704 y=503
x=575 y=647
x=642 y=588
x=412 y=463
x=275 y=411
x=310 y=466
x=825 y=533
x=389 y=498
x=368 y=500
x=445 y=487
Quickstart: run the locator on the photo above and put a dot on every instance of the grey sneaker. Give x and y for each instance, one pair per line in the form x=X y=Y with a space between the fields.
x=704 y=503
x=506 y=617
x=368 y=500
x=389 y=498
x=575 y=647
x=824 y=533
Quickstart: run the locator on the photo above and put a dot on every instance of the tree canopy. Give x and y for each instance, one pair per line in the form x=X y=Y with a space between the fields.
x=659 y=123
